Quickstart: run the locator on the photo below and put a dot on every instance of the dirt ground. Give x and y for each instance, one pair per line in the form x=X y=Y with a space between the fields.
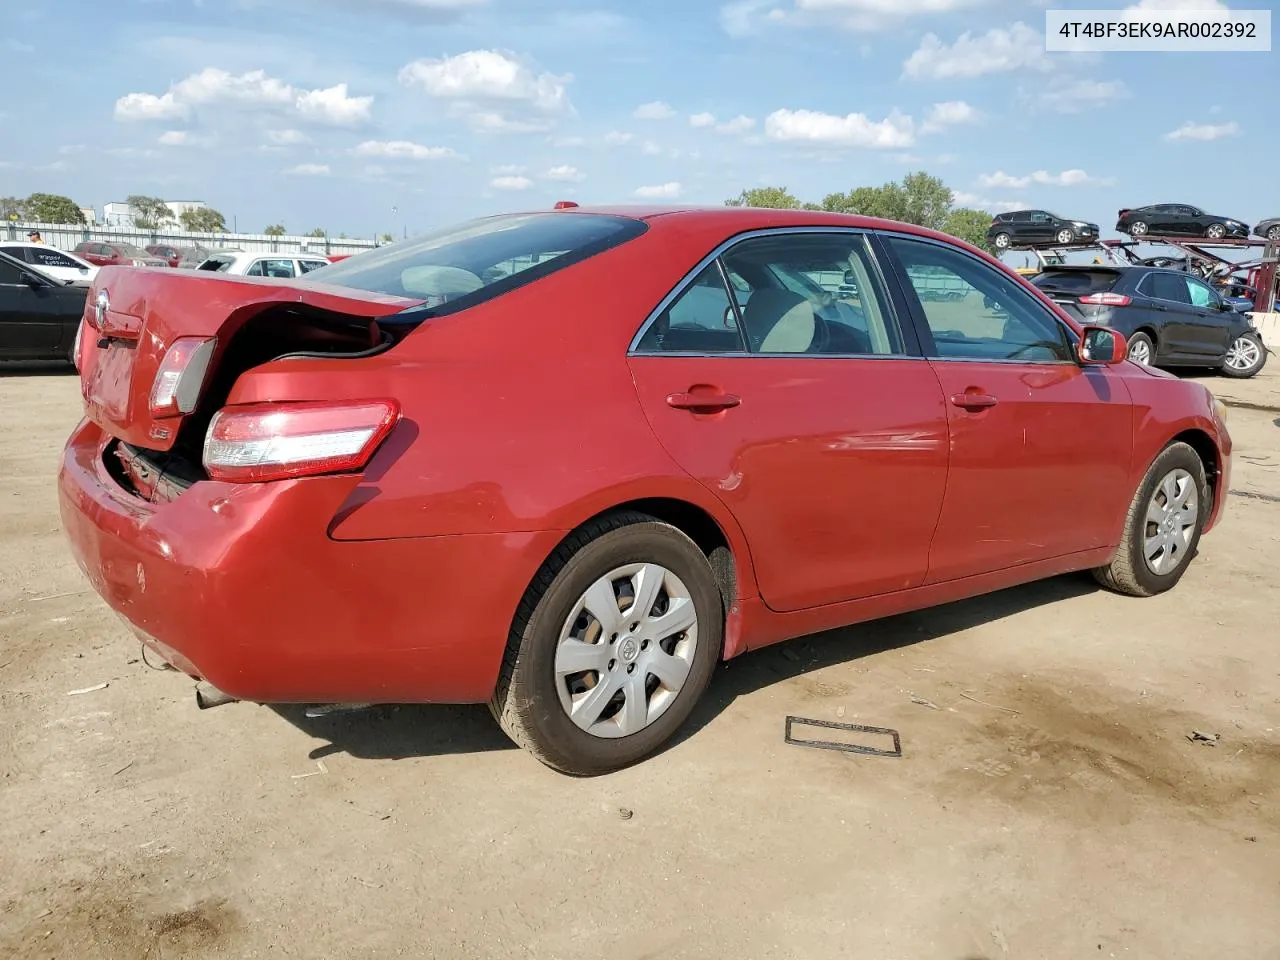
x=1048 y=802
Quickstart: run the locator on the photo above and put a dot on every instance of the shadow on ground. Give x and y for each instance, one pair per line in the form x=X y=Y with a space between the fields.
x=392 y=732
x=36 y=368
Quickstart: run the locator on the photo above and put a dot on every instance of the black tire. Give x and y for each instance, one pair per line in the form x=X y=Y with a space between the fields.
x=1003 y=241
x=1274 y=233
x=1128 y=572
x=1142 y=337
x=1244 y=373
x=1215 y=231
x=1066 y=236
x=526 y=702
x=1138 y=228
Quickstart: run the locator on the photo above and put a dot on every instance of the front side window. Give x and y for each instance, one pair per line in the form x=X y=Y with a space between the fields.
x=1201 y=294
x=465 y=265
x=1039 y=216
x=812 y=293
x=10 y=274
x=974 y=311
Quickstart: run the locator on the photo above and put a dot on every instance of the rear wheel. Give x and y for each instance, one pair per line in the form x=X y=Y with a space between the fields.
x=1215 y=231
x=1142 y=349
x=1138 y=228
x=1163 y=526
x=611 y=648
x=1245 y=357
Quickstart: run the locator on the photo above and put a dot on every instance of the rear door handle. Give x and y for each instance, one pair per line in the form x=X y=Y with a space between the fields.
x=974 y=401
x=703 y=402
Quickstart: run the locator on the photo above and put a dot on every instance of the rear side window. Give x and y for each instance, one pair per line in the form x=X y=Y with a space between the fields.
x=1078 y=282
x=465 y=265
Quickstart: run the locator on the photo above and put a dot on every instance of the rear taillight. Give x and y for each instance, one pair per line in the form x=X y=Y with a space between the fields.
x=1107 y=299
x=181 y=376
x=272 y=441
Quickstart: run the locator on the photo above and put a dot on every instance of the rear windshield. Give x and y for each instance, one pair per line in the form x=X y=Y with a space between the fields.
x=462 y=266
x=1081 y=282
x=218 y=264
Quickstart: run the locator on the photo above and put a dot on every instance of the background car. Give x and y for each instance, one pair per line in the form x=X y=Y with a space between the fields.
x=117 y=255
x=39 y=315
x=184 y=257
x=1178 y=220
x=53 y=263
x=1268 y=229
x=570 y=493
x=1030 y=228
x=1170 y=318
x=254 y=263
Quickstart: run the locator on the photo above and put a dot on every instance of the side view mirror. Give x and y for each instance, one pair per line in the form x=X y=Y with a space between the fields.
x=850 y=278
x=1100 y=346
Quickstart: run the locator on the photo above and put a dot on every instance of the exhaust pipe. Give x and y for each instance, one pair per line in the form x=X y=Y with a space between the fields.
x=207 y=696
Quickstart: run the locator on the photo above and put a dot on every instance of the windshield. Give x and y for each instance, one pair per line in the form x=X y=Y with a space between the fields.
x=129 y=250
x=1081 y=282
x=464 y=265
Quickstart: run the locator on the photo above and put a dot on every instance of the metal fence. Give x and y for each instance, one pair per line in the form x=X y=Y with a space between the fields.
x=65 y=236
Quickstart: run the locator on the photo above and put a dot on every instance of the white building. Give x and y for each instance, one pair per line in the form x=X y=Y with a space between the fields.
x=123 y=215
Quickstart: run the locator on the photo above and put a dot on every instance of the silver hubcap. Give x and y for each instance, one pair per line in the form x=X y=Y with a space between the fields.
x=626 y=649
x=1140 y=352
x=1002 y=240
x=1244 y=354
x=1273 y=233
x=1171 y=522
x=1065 y=236
x=1139 y=229
x=1217 y=232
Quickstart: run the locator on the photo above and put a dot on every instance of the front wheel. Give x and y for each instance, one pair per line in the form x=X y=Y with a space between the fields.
x=1274 y=233
x=1216 y=231
x=1163 y=526
x=614 y=643
x=1245 y=357
x=1003 y=241
x=1065 y=237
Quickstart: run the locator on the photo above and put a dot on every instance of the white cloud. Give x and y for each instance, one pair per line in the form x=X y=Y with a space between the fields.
x=1078 y=95
x=854 y=129
x=702 y=120
x=650 y=149
x=654 y=110
x=487 y=75
x=310 y=170
x=997 y=51
x=487 y=121
x=949 y=113
x=976 y=202
x=739 y=124
x=333 y=105
x=401 y=150
x=661 y=191
x=433 y=9
x=1067 y=178
x=286 y=137
x=507 y=169
x=511 y=183
x=176 y=138
x=147 y=106
x=1204 y=131
x=616 y=138
x=213 y=86
x=565 y=174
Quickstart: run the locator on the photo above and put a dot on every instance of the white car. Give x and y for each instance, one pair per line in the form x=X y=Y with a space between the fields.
x=255 y=263
x=54 y=263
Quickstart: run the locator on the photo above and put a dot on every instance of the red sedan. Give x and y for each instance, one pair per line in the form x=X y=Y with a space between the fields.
x=565 y=462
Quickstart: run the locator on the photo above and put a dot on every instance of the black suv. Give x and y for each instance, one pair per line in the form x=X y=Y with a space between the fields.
x=1035 y=228
x=1170 y=318
x=1179 y=220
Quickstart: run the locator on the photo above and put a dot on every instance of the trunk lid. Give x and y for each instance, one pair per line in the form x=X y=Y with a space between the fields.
x=132 y=318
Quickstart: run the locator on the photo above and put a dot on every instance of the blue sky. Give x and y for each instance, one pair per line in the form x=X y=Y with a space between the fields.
x=333 y=112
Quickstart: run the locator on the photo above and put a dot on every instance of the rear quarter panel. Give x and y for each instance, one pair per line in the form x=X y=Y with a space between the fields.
x=518 y=415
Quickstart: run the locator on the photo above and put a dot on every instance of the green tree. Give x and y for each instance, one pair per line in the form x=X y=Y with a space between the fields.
x=968 y=224
x=318 y=232
x=203 y=220
x=150 y=213
x=11 y=208
x=886 y=201
x=52 y=208
x=275 y=230
x=387 y=238
x=926 y=200
x=776 y=198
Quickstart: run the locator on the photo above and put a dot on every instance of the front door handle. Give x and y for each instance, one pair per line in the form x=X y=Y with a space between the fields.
x=974 y=401
x=703 y=402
